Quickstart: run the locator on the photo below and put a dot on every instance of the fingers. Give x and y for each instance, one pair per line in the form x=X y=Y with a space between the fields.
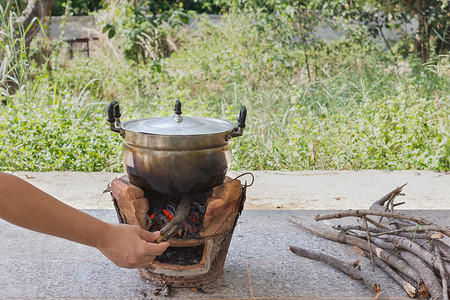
x=149 y=236
x=149 y=253
x=156 y=249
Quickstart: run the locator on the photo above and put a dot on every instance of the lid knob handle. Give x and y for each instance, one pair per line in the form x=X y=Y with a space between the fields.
x=177 y=116
x=178 y=107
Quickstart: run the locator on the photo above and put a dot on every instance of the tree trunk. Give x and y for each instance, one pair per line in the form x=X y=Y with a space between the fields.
x=35 y=9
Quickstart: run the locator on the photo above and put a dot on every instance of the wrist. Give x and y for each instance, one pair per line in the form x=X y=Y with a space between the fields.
x=103 y=235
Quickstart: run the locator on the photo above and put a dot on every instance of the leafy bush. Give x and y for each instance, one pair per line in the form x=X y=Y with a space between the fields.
x=358 y=110
x=56 y=133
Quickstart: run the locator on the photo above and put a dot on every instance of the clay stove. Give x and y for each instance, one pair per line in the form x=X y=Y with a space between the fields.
x=197 y=253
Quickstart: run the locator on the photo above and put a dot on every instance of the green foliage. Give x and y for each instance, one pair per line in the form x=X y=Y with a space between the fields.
x=142 y=27
x=13 y=53
x=358 y=110
x=56 y=133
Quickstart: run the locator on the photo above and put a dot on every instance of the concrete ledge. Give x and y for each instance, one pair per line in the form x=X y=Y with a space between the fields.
x=302 y=190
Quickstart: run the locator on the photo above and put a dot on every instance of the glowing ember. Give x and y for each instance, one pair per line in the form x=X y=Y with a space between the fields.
x=159 y=216
x=168 y=214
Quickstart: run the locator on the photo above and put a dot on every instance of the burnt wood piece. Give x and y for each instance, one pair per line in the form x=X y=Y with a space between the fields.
x=170 y=229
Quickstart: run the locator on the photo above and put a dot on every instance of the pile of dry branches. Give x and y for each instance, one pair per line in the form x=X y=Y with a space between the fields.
x=411 y=250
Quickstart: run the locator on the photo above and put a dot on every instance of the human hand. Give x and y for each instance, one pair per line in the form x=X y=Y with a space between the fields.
x=129 y=246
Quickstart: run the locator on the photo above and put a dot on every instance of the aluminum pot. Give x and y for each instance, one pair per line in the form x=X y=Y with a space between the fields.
x=176 y=155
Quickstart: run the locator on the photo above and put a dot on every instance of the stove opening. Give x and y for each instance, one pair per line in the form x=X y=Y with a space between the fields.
x=158 y=216
x=182 y=255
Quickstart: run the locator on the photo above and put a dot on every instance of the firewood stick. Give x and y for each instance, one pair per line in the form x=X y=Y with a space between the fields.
x=403 y=266
x=384 y=244
x=366 y=212
x=369 y=244
x=442 y=272
x=378 y=205
x=170 y=229
x=391 y=246
x=388 y=200
x=408 y=287
x=418 y=228
x=431 y=281
x=401 y=223
x=376 y=223
x=404 y=231
x=406 y=244
x=389 y=258
x=444 y=248
x=347 y=268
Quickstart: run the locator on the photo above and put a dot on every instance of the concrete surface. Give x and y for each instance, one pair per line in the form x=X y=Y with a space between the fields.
x=276 y=190
x=259 y=265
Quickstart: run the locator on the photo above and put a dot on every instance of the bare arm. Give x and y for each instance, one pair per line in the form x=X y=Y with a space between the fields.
x=27 y=206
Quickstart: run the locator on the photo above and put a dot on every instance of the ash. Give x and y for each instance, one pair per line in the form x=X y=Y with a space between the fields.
x=182 y=255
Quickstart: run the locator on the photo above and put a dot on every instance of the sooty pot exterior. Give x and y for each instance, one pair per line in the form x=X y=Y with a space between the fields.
x=171 y=157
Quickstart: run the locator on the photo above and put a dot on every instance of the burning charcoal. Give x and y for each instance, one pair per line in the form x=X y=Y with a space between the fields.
x=197 y=207
x=158 y=217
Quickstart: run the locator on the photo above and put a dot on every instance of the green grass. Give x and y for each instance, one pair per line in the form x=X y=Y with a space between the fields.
x=356 y=111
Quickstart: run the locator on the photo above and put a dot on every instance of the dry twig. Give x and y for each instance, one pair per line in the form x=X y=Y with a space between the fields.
x=340 y=265
x=407 y=246
x=404 y=231
x=417 y=228
x=408 y=287
x=369 y=244
x=365 y=212
x=170 y=229
x=431 y=281
x=378 y=205
x=442 y=272
x=404 y=243
x=389 y=258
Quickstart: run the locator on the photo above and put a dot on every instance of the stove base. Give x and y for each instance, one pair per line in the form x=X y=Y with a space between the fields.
x=205 y=273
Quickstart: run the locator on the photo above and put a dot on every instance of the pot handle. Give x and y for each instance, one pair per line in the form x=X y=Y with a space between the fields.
x=114 y=116
x=241 y=124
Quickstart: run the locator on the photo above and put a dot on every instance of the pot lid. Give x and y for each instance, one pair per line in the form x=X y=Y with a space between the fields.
x=169 y=126
x=178 y=125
